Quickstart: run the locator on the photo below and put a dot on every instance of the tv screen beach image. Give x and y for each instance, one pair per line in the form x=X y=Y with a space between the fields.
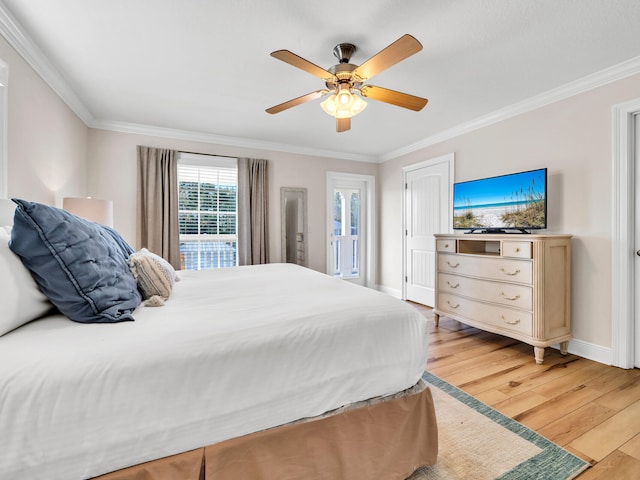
x=509 y=201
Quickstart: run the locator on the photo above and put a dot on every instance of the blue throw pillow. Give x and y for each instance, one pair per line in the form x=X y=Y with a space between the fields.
x=79 y=265
x=126 y=249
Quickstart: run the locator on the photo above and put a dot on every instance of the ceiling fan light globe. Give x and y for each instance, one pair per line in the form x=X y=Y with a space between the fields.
x=357 y=106
x=344 y=98
x=343 y=113
x=329 y=105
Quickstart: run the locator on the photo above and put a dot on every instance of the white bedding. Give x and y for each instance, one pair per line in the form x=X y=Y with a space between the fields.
x=231 y=352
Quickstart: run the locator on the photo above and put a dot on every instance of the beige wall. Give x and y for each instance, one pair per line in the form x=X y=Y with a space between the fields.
x=112 y=174
x=572 y=138
x=47 y=142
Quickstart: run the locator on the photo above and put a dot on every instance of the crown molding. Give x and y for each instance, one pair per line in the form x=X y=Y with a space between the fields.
x=211 y=138
x=595 y=80
x=14 y=33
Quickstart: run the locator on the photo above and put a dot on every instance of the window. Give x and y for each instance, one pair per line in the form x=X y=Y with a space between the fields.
x=207 y=211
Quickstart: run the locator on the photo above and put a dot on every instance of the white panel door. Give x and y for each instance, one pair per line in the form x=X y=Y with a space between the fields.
x=427 y=211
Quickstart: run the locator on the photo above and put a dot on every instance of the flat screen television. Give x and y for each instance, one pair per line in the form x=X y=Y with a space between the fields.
x=516 y=202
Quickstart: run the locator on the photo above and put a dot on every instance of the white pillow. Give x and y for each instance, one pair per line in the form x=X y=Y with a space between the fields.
x=20 y=298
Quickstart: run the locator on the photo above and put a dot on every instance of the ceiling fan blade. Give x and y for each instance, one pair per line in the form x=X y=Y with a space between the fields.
x=299 y=62
x=402 y=48
x=395 y=98
x=343 y=124
x=296 y=101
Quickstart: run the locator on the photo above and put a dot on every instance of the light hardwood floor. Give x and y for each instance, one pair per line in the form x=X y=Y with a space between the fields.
x=591 y=409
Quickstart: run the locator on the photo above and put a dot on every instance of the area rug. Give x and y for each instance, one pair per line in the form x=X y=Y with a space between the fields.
x=476 y=442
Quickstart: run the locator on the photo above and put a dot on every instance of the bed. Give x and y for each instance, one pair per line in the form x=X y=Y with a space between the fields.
x=261 y=372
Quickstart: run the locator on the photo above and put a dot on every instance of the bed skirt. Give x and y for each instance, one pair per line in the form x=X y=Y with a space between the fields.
x=386 y=439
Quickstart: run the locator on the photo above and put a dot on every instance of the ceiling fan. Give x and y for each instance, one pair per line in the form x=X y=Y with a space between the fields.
x=344 y=81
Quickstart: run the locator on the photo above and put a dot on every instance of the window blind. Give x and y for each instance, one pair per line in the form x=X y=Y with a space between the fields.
x=207 y=210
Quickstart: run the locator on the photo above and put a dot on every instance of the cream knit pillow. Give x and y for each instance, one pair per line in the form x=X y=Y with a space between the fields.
x=155 y=276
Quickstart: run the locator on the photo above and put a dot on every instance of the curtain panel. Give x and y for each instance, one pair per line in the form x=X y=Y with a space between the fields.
x=157 y=226
x=253 y=211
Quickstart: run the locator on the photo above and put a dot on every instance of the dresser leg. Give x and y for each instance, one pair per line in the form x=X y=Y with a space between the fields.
x=436 y=318
x=564 y=347
x=539 y=354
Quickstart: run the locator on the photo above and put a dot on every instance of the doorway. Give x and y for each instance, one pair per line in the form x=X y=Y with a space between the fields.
x=427 y=210
x=350 y=223
x=625 y=304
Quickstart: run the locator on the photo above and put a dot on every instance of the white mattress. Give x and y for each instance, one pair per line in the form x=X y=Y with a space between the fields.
x=232 y=351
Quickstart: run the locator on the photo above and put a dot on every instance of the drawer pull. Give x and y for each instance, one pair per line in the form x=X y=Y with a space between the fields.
x=510 y=273
x=446 y=245
x=515 y=322
x=517 y=249
x=452 y=305
x=451 y=285
x=452 y=265
x=509 y=298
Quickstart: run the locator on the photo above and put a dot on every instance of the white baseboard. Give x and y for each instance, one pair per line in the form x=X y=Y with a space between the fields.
x=390 y=291
x=594 y=352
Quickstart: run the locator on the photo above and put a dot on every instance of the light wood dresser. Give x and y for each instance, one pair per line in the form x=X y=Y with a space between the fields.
x=517 y=285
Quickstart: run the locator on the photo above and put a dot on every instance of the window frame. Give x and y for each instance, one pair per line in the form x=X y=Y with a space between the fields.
x=210 y=163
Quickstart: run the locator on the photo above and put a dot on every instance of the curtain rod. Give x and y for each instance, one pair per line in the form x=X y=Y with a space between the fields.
x=208 y=154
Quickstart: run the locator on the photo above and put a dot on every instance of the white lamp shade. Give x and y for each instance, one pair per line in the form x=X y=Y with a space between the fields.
x=99 y=211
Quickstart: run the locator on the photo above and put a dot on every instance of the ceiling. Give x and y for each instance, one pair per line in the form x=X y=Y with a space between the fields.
x=203 y=67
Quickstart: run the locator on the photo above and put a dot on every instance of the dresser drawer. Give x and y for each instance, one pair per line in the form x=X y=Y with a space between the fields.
x=493 y=268
x=519 y=296
x=446 y=245
x=516 y=249
x=503 y=318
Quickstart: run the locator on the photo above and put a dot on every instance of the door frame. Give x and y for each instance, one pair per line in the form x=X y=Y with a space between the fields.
x=4 y=156
x=623 y=242
x=448 y=158
x=369 y=259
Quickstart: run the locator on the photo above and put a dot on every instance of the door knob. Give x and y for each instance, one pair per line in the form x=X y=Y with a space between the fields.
x=638 y=252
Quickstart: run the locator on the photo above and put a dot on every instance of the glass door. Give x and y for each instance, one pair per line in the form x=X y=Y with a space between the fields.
x=350 y=217
x=345 y=236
